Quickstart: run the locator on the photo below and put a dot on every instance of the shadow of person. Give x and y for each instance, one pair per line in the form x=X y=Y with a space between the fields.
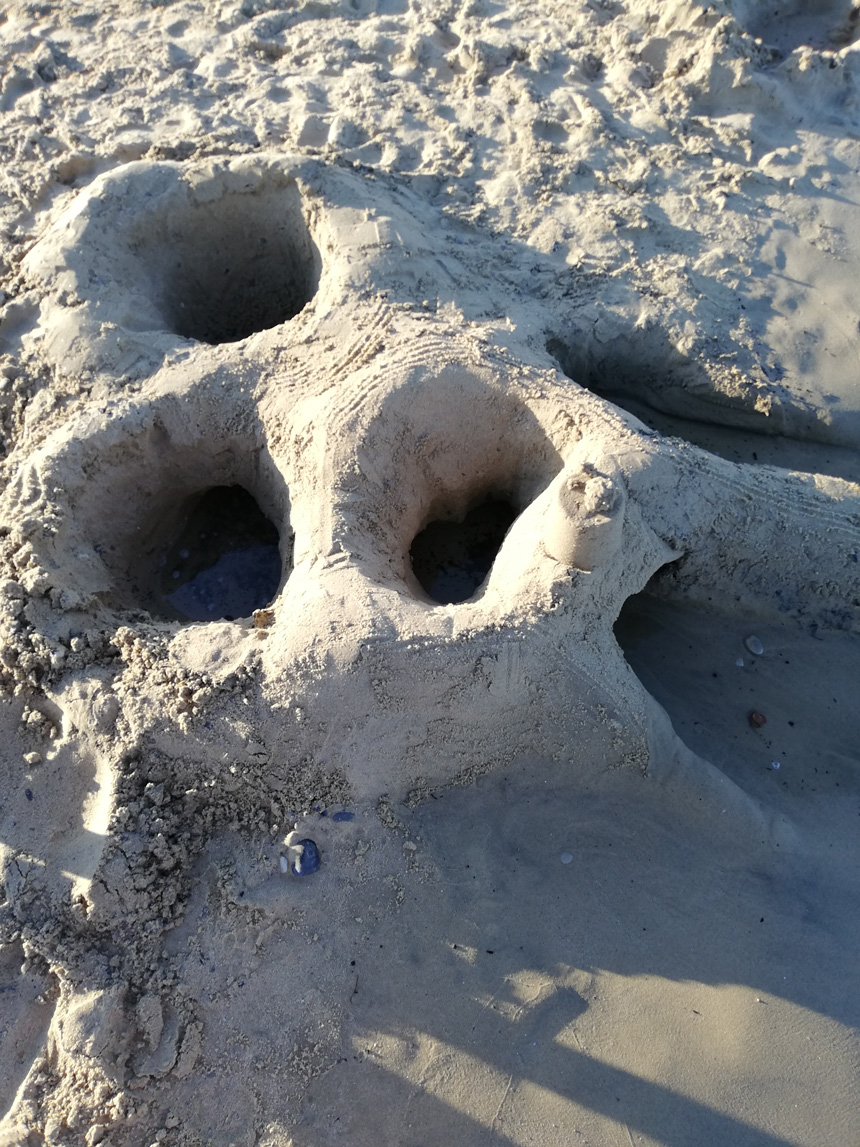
x=511 y=987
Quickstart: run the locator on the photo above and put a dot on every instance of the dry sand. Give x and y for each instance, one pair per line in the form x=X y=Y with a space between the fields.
x=376 y=262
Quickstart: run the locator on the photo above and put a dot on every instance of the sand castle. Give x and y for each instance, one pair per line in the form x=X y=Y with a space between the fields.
x=334 y=504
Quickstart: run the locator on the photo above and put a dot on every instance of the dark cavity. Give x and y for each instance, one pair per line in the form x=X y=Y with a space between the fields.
x=452 y=559
x=226 y=561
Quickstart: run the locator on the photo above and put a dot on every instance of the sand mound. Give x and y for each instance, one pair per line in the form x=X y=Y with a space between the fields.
x=430 y=450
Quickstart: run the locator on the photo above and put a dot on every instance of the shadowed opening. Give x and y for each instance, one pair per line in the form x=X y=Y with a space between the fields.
x=670 y=393
x=469 y=459
x=224 y=563
x=223 y=270
x=743 y=692
x=452 y=559
x=790 y=24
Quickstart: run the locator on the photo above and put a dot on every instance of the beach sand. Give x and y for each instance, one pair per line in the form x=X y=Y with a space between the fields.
x=574 y=283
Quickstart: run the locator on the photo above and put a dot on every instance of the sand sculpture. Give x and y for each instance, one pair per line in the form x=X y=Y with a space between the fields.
x=290 y=337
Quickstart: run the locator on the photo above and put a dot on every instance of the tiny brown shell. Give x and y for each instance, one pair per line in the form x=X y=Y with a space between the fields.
x=756 y=720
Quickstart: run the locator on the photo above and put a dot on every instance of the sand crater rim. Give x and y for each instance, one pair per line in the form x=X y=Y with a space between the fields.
x=126 y=518
x=222 y=270
x=470 y=459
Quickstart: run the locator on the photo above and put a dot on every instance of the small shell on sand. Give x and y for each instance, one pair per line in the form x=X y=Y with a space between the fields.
x=756 y=720
x=754 y=645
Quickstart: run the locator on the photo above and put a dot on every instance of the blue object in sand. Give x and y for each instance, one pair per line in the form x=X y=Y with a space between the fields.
x=309 y=861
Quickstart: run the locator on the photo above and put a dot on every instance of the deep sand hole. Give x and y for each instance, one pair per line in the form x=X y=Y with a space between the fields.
x=468 y=457
x=225 y=269
x=445 y=466
x=184 y=525
x=790 y=24
x=452 y=559
x=225 y=561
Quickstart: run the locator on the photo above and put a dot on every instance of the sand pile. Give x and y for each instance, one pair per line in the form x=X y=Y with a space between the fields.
x=430 y=450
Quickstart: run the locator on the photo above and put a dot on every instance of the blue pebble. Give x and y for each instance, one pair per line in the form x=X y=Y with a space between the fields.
x=309 y=861
x=344 y=815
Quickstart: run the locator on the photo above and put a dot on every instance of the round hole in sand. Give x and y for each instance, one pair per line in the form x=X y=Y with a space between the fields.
x=463 y=457
x=136 y=493
x=224 y=562
x=452 y=558
x=224 y=269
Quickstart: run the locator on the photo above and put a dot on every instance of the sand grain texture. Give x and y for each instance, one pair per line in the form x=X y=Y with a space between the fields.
x=586 y=266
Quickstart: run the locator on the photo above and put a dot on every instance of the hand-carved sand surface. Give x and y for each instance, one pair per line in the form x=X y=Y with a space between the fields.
x=430 y=585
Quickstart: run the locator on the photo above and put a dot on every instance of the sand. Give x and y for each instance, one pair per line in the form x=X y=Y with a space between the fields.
x=574 y=284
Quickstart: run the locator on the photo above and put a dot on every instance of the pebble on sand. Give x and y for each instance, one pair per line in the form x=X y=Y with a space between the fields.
x=305 y=857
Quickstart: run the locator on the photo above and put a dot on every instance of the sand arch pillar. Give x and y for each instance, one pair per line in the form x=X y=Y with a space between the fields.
x=585 y=519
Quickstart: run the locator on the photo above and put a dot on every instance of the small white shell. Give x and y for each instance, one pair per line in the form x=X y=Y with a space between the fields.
x=754 y=645
x=284 y=864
